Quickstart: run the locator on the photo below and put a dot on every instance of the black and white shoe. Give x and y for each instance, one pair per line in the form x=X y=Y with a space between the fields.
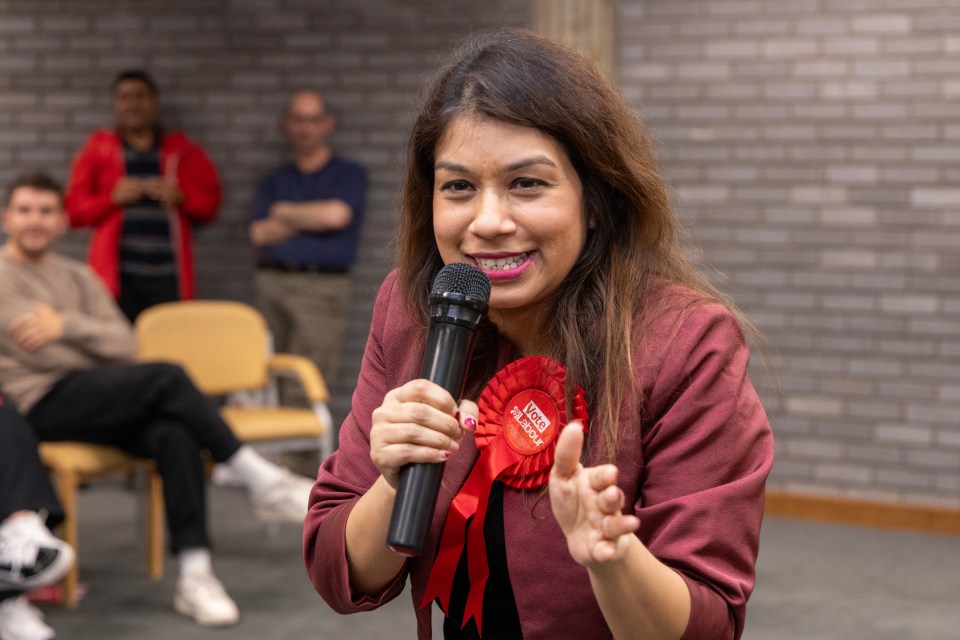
x=31 y=556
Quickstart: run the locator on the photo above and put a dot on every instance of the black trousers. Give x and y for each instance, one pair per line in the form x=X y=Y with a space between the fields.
x=142 y=292
x=149 y=410
x=24 y=483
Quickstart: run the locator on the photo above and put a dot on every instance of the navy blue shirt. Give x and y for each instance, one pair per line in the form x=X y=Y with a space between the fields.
x=338 y=179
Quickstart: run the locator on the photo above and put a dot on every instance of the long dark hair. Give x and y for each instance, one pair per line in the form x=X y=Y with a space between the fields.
x=518 y=77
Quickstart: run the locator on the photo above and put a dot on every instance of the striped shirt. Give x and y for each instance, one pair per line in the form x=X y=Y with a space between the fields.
x=145 y=245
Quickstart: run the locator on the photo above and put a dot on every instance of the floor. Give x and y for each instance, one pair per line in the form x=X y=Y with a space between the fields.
x=827 y=581
x=815 y=581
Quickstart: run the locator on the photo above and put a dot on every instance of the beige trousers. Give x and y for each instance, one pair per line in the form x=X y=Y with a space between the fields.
x=306 y=313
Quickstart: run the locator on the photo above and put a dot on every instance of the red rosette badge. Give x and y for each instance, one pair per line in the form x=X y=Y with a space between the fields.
x=522 y=411
x=524 y=403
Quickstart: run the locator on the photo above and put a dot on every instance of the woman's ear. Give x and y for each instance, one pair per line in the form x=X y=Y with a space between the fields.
x=591 y=217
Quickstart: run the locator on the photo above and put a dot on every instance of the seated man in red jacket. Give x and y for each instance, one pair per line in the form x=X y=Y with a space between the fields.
x=141 y=189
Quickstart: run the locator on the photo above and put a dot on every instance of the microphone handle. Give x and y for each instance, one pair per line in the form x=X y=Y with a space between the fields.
x=445 y=362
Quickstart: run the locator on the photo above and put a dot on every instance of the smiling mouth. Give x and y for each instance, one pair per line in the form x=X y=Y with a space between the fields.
x=502 y=264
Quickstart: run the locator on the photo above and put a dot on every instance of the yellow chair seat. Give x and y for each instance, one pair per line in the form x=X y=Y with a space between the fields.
x=84 y=458
x=270 y=423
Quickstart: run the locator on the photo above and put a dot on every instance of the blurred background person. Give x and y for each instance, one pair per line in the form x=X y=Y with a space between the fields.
x=30 y=556
x=305 y=220
x=67 y=362
x=142 y=189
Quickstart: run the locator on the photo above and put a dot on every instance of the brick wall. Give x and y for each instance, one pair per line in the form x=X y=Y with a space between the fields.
x=225 y=68
x=813 y=146
x=815 y=150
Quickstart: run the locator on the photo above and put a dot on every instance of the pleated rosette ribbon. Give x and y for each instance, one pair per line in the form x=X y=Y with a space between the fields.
x=522 y=411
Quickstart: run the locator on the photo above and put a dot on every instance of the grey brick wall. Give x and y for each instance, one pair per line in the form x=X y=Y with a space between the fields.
x=225 y=68
x=813 y=147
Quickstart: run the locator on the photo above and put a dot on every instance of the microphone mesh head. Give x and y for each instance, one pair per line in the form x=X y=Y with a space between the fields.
x=462 y=278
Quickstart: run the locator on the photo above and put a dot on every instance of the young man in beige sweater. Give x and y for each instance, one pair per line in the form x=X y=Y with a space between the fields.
x=67 y=364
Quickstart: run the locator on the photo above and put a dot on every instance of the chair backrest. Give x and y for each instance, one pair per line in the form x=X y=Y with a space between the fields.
x=222 y=345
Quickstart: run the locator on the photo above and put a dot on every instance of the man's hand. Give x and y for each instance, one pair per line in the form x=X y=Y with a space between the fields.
x=267 y=232
x=313 y=216
x=127 y=190
x=36 y=328
x=164 y=192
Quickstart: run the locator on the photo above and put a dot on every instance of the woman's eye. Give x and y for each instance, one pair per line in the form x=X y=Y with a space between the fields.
x=455 y=186
x=527 y=183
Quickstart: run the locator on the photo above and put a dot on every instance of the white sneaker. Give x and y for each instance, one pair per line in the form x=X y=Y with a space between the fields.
x=20 y=620
x=201 y=596
x=284 y=500
x=31 y=556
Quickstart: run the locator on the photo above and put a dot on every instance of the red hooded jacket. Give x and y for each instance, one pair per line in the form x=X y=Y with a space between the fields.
x=97 y=168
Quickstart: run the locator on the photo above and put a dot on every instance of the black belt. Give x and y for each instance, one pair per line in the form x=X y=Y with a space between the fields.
x=291 y=267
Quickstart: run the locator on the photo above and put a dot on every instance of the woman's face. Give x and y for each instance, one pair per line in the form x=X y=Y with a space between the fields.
x=507 y=200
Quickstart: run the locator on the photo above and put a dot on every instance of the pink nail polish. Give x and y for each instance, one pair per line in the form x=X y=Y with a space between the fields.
x=444 y=454
x=470 y=423
x=457 y=416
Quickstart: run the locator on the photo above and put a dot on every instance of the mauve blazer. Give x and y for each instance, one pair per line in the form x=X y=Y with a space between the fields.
x=693 y=466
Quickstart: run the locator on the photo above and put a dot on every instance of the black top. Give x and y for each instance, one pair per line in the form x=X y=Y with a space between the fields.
x=500 y=618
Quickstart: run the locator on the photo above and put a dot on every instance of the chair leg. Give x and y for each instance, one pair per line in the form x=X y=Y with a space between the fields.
x=155 y=523
x=67 y=483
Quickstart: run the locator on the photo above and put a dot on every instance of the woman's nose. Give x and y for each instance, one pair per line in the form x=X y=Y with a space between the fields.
x=492 y=216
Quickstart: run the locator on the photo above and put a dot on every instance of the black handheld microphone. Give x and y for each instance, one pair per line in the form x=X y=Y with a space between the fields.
x=458 y=302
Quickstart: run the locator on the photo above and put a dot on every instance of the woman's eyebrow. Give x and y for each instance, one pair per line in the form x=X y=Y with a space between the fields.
x=526 y=162
x=450 y=166
x=513 y=166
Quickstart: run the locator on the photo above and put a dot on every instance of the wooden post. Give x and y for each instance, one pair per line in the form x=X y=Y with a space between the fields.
x=587 y=25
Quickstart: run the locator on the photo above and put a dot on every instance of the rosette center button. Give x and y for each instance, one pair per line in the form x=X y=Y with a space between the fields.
x=530 y=421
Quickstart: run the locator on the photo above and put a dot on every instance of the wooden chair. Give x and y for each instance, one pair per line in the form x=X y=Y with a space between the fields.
x=73 y=463
x=226 y=348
